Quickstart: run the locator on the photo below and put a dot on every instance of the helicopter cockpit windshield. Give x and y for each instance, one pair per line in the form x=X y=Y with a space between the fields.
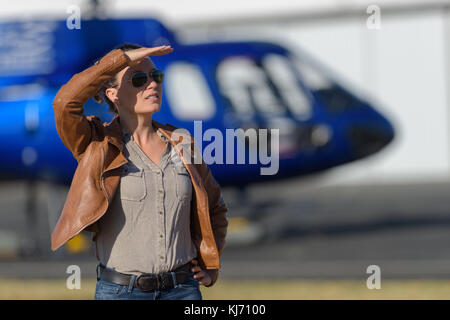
x=268 y=86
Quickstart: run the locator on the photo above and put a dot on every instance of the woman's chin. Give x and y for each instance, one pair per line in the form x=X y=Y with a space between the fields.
x=149 y=108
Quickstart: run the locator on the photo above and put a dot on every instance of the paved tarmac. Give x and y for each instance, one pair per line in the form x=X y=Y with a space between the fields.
x=301 y=231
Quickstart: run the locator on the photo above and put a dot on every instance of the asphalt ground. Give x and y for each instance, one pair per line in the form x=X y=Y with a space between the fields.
x=298 y=231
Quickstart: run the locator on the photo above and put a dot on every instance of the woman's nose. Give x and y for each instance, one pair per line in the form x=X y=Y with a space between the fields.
x=152 y=83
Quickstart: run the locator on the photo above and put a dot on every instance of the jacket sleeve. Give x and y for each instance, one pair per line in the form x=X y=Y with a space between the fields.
x=217 y=211
x=75 y=129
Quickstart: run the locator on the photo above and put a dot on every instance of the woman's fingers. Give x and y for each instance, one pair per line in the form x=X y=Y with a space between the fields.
x=202 y=277
x=136 y=55
x=194 y=262
x=195 y=266
x=196 y=269
x=159 y=51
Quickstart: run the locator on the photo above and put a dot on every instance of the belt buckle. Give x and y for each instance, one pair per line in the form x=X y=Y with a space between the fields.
x=147 y=282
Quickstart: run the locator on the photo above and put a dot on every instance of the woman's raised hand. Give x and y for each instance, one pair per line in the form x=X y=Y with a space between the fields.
x=137 y=55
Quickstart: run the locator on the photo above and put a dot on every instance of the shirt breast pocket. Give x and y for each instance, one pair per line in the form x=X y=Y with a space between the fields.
x=183 y=183
x=132 y=183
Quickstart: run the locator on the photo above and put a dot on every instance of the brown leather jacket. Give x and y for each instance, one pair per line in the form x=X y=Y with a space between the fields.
x=98 y=149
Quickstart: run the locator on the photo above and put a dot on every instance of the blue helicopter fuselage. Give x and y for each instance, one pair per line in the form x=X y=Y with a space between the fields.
x=225 y=85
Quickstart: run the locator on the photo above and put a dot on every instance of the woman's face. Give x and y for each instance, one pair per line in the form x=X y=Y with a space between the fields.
x=144 y=99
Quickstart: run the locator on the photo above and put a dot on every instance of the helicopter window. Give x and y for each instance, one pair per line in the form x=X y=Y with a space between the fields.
x=188 y=93
x=312 y=77
x=21 y=92
x=333 y=97
x=284 y=78
x=245 y=85
x=27 y=48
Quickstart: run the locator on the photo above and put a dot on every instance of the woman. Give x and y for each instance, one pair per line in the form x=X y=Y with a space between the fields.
x=158 y=218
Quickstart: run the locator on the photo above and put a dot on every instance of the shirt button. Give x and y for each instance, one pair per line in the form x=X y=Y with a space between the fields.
x=160 y=212
x=158 y=172
x=160 y=191
x=161 y=236
x=162 y=258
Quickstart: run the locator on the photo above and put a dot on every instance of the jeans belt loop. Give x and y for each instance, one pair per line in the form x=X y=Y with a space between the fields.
x=132 y=280
x=174 y=279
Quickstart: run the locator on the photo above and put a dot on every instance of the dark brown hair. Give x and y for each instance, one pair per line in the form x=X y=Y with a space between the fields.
x=101 y=97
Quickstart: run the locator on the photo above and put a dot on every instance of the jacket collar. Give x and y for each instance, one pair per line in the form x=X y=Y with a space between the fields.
x=113 y=130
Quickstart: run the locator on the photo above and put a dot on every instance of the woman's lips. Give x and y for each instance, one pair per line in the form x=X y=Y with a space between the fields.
x=153 y=97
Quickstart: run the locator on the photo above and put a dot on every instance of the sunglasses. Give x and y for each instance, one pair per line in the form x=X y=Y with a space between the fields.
x=141 y=78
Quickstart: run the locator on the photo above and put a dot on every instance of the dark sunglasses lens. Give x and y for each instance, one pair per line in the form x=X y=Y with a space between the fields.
x=139 y=79
x=158 y=76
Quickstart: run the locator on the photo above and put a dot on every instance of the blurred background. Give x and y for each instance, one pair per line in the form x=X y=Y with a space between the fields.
x=357 y=89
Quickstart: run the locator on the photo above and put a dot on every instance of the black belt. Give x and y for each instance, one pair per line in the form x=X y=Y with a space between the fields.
x=148 y=281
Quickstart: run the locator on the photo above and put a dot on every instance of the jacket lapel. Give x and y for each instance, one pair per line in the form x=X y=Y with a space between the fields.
x=182 y=144
x=114 y=133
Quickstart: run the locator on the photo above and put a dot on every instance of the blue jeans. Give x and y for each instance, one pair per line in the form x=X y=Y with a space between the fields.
x=184 y=291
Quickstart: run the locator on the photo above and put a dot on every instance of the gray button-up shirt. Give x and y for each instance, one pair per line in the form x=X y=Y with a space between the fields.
x=147 y=226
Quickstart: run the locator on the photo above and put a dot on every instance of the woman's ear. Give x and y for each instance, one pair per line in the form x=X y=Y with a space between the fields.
x=111 y=94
